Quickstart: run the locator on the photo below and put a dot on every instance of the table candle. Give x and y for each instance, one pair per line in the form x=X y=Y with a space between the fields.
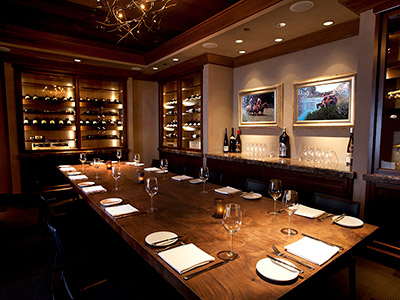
x=219 y=207
x=109 y=165
x=140 y=177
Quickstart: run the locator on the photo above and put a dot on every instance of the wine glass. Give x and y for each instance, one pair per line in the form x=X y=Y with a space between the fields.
x=203 y=175
x=119 y=155
x=96 y=165
x=151 y=189
x=232 y=221
x=82 y=158
x=290 y=202
x=136 y=158
x=164 y=164
x=116 y=174
x=275 y=191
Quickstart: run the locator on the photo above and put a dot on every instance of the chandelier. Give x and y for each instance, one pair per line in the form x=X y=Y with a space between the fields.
x=130 y=17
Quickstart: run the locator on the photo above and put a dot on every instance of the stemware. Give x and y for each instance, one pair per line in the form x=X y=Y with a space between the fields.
x=82 y=158
x=275 y=191
x=96 y=165
x=151 y=189
x=116 y=174
x=136 y=158
x=119 y=155
x=164 y=164
x=232 y=221
x=290 y=202
x=203 y=175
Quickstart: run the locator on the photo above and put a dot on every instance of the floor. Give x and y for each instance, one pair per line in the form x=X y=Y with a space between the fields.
x=27 y=258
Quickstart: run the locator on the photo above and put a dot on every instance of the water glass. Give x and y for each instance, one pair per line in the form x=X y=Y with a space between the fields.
x=290 y=202
x=82 y=158
x=136 y=158
x=151 y=187
x=232 y=221
x=164 y=164
x=275 y=191
x=116 y=174
x=96 y=165
x=203 y=175
x=119 y=155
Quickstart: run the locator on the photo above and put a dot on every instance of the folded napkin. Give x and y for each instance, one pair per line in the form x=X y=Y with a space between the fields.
x=185 y=258
x=121 y=210
x=94 y=189
x=181 y=177
x=132 y=163
x=152 y=169
x=227 y=190
x=78 y=177
x=67 y=169
x=312 y=250
x=308 y=212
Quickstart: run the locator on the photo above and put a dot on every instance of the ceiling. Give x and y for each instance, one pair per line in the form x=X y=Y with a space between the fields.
x=66 y=29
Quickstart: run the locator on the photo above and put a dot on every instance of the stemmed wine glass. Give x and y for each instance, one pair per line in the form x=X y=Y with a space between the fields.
x=119 y=155
x=203 y=175
x=164 y=164
x=291 y=204
x=82 y=158
x=275 y=191
x=96 y=165
x=232 y=221
x=151 y=189
x=116 y=174
x=136 y=158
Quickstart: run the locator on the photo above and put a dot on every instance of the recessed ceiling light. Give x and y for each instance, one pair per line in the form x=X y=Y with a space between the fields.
x=155 y=68
x=136 y=68
x=4 y=49
x=242 y=51
x=209 y=45
x=239 y=41
x=301 y=6
x=77 y=60
x=281 y=24
x=175 y=59
x=328 y=23
x=278 y=40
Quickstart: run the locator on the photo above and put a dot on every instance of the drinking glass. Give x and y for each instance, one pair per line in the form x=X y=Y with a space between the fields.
x=151 y=189
x=164 y=164
x=232 y=221
x=203 y=175
x=136 y=158
x=290 y=202
x=275 y=191
x=116 y=174
x=96 y=165
x=82 y=158
x=119 y=155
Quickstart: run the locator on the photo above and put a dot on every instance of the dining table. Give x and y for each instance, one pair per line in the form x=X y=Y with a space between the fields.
x=185 y=211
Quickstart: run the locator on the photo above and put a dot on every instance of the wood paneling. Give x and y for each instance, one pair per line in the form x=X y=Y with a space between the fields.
x=359 y=6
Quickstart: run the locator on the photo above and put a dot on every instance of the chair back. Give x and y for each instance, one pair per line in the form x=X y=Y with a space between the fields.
x=256 y=186
x=155 y=163
x=336 y=205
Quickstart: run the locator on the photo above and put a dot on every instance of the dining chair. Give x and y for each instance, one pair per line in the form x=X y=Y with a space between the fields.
x=215 y=178
x=336 y=205
x=155 y=163
x=256 y=186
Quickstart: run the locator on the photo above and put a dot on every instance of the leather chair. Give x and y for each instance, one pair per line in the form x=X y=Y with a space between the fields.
x=336 y=205
x=257 y=186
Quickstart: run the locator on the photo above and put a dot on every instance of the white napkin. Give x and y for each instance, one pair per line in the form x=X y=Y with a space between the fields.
x=67 y=169
x=312 y=250
x=308 y=212
x=78 y=177
x=181 y=177
x=132 y=163
x=227 y=190
x=152 y=169
x=94 y=189
x=186 y=257
x=121 y=210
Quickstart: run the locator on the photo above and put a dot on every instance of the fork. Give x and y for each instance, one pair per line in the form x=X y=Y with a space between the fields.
x=181 y=243
x=324 y=217
x=279 y=253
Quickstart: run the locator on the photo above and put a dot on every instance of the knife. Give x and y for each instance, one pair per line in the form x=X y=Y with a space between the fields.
x=328 y=243
x=221 y=263
x=167 y=240
x=286 y=264
x=338 y=218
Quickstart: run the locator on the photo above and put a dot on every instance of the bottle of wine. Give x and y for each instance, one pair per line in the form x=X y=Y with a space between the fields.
x=238 y=144
x=284 y=145
x=26 y=121
x=349 y=154
x=226 y=144
x=232 y=142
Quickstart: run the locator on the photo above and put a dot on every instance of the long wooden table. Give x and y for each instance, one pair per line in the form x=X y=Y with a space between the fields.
x=183 y=210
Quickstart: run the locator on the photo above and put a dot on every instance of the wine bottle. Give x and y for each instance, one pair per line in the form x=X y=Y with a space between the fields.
x=238 y=144
x=232 y=142
x=35 y=97
x=349 y=154
x=284 y=144
x=26 y=121
x=36 y=121
x=226 y=144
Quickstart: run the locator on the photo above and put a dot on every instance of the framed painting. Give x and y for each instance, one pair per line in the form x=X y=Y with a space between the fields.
x=260 y=106
x=327 y=101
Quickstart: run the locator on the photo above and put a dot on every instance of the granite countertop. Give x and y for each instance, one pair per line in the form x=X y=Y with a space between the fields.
x=286 y=163
x=180 y=151
x=381 y=178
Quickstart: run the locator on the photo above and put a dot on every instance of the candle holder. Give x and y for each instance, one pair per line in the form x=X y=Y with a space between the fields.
x=140 y=177
x=219 y=207
x=109 y=165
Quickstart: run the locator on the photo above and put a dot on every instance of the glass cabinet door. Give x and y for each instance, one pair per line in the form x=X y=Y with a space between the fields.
x=170 y=114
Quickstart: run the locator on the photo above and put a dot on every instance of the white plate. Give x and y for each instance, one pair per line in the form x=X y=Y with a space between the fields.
x=275 y=271
x=187 y=128
x=252 y=196
x=73 y=173
x=162 y=172
x=159 y=236
x=86 y=183
x=348 y=221
x=64 y=166
x=110 y=201
x=196 y=181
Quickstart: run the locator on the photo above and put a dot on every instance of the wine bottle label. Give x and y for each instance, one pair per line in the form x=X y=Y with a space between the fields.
x=226 y=148
x=349 y=159
x=282 y=150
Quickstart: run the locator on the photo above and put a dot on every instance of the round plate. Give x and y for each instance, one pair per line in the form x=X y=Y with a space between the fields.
x=86 y=183
x=64 y=166
x=275 y=271
x=159 y=236
x=196 y=181
x=252 y=196
x=348 y=221
x=110 y=201
x=73 y=173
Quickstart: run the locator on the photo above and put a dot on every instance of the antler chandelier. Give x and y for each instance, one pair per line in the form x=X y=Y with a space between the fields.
x=129 y=17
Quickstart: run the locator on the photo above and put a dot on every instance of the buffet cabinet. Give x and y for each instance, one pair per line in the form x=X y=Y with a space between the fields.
x=70 y=112
x=181 y=113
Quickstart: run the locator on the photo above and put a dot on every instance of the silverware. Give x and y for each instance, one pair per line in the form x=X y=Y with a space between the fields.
x=171 y=246
x=279 y=253
x=284 y=263
x=221 y=263
x=324 y=217
x=128 y=215
x=338 y=218
x=167 y=240
x=328 y=243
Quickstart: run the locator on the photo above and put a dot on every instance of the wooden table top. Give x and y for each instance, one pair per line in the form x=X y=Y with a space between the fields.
x=183 y=210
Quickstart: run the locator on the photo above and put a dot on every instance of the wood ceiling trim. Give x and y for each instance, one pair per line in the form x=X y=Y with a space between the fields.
x=359 y=6
x=321 y=37
x=227 y=17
